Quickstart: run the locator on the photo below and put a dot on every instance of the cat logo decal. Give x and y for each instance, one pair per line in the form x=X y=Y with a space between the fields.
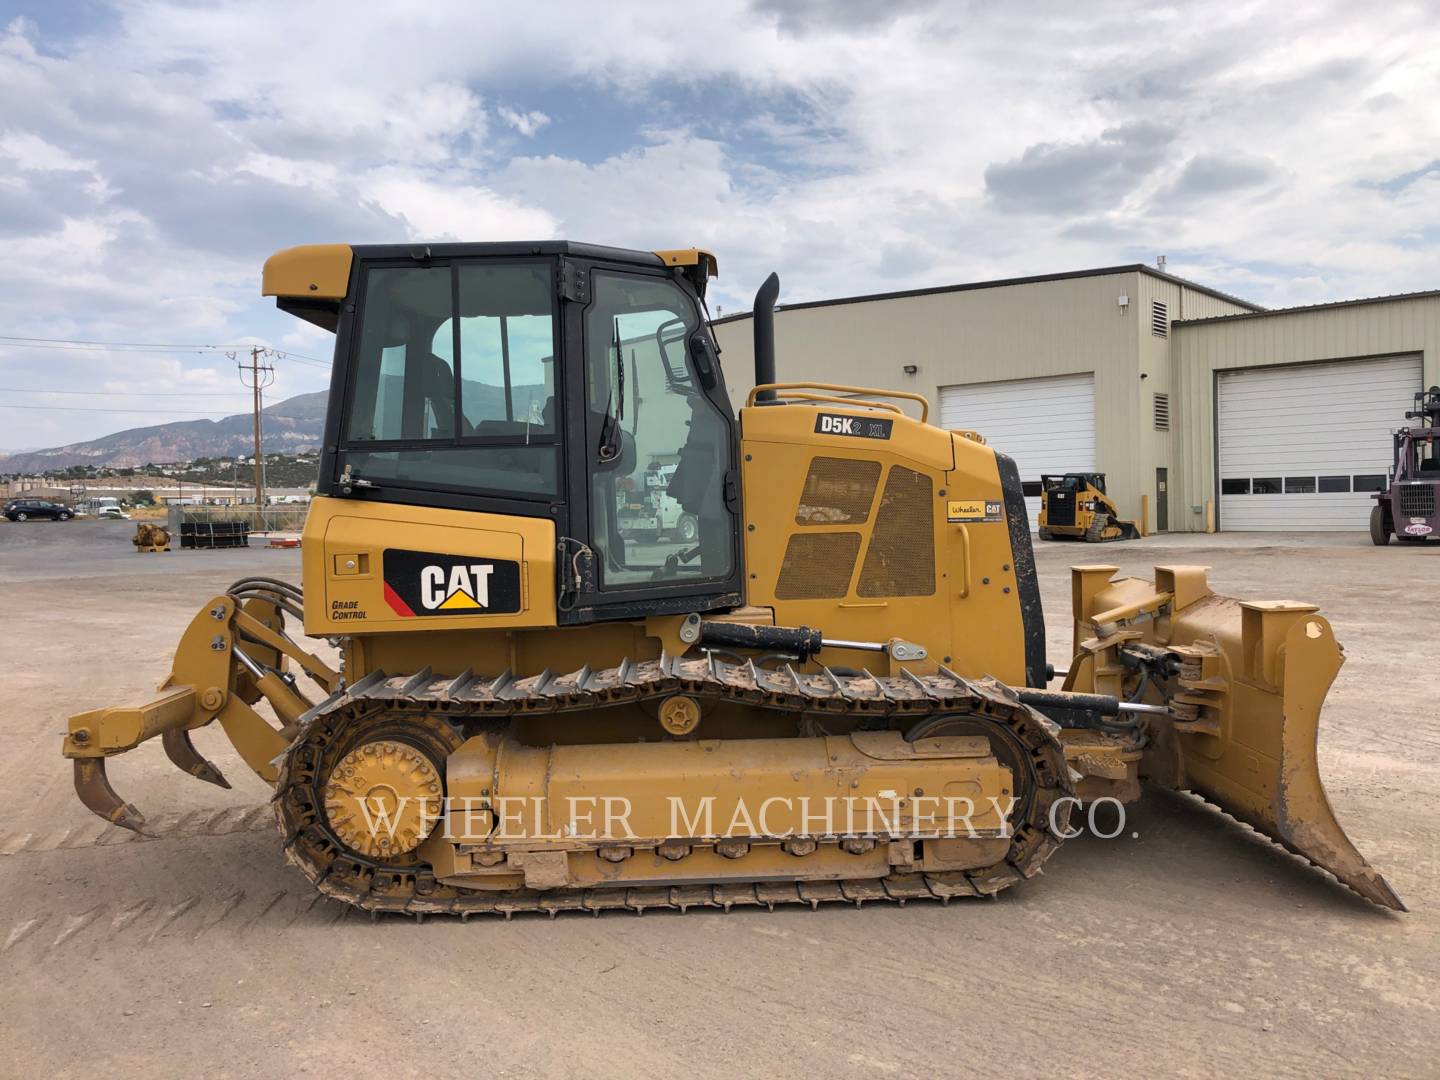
x=420 y=583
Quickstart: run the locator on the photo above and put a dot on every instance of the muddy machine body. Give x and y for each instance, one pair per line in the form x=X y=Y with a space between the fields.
x=834 y=687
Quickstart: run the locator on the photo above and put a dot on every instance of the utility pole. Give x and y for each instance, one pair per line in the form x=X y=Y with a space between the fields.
x=257 y=376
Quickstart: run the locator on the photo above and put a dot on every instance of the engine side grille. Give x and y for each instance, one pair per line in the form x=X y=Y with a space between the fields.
x=1417 y=500
x=838 y=491
x=817 y=566
x=901 y=558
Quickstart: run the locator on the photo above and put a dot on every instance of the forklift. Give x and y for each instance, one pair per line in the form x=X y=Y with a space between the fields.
x=1407 y=508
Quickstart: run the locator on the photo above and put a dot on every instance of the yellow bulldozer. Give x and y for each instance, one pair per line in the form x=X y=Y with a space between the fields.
x=1074 y=506
x=835 y=690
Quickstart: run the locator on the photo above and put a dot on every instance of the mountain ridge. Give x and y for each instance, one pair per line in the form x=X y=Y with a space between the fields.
x=290 y=426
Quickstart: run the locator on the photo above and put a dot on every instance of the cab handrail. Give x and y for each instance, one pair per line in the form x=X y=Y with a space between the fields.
x=835 y=399
x=797 y=391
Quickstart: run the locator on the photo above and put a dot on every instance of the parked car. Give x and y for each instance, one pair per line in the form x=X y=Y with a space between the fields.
x=112 y=512
x=30 y=509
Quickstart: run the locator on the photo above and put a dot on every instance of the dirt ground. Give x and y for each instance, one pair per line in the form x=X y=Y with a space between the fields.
x=1193 y=949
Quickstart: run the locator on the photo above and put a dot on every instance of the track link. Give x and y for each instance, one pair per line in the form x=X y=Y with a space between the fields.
x=442 y=708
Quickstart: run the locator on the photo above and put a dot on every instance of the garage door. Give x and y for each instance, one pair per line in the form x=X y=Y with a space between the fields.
x=1302 y=448
x=1046 y=425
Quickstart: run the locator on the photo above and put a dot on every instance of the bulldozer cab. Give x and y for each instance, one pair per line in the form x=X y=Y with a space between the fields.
x=544 y=381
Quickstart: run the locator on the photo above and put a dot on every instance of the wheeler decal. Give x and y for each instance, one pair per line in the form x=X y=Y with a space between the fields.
x=959 y=510
x=419 y=583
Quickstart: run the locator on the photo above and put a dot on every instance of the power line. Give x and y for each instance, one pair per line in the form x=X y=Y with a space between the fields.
x=159 y=412
x=36 y=341
x=86 y=408
x=123 y=344
x=182 y=350
x=119 y=393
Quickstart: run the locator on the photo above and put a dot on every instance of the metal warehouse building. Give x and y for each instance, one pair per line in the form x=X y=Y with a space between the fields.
x=1281 y=418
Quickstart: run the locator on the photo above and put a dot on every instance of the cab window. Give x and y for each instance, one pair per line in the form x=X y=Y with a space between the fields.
x=507 y=340
x=453 y=380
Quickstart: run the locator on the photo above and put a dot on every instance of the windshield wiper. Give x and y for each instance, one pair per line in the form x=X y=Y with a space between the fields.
x=610 y=426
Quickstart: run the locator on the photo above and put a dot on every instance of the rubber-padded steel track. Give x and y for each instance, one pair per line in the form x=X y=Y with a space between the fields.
x=440 y=710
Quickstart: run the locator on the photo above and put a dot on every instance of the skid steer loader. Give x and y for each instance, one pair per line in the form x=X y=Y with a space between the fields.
x=1074 y=506
x=536 y=712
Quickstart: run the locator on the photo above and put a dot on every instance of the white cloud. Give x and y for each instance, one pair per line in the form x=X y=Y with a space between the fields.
x=449 y=209
x=526 y=123
x=30 y=152
x=148 y=163
x=292 y=171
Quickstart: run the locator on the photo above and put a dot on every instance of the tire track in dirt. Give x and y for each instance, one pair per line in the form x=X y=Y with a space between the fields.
x=235 y=819
x=146 y=921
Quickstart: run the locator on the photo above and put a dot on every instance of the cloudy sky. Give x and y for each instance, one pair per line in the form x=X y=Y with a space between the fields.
x=152 y=155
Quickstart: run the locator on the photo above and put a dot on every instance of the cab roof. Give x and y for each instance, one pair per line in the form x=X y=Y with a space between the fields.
x=322 y=271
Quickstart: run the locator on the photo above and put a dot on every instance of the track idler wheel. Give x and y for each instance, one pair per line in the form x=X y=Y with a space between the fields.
x=1041 y=778
x=388 y=783
x=356 y=796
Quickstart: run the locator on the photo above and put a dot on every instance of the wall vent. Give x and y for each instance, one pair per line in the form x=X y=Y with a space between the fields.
x=1159 y=318
x=1162 y=412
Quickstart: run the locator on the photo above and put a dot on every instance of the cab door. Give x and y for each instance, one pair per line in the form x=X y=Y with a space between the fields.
x=657 y=450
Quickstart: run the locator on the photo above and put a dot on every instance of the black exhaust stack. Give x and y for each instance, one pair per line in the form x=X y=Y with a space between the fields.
x=764 y=318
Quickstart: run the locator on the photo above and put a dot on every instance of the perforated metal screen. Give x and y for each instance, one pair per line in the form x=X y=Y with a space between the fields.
x=901 y=558
x=817 y=566
x=837 y=491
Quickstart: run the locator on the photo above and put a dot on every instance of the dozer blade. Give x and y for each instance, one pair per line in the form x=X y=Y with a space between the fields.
x=1269 y=776
x=1245 y=697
